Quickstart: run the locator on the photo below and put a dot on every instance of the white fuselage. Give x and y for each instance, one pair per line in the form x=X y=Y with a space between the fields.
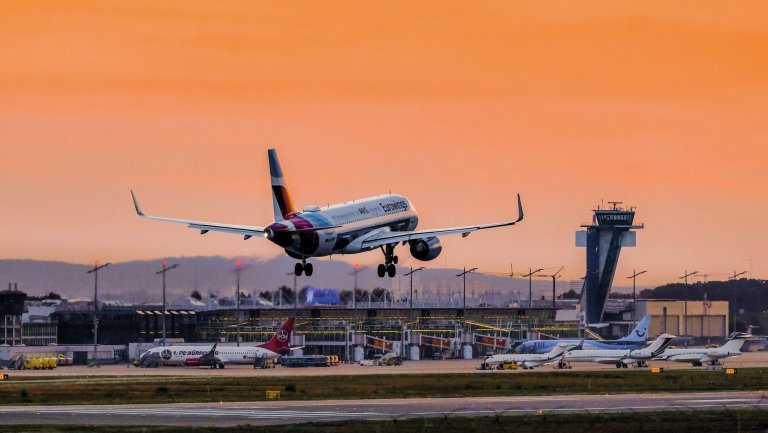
x=525 y=360
x=352 y=222
x=227 y=354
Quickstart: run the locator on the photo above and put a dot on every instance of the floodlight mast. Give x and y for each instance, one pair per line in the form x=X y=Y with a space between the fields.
x=554 y=277
x=530 y=284
x=685 y=303
x=95 y=272
x=634 y=276
x=162 y=272
x=464 y=278
x=410 y=298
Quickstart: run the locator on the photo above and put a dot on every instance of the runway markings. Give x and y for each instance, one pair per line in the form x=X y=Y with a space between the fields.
x=245 y=413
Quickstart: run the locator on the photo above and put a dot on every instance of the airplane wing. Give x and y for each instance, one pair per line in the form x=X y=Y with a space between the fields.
x=385 y=238
x=204 y=227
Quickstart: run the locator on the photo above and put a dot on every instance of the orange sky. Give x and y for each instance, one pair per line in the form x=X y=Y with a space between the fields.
x=457 y=105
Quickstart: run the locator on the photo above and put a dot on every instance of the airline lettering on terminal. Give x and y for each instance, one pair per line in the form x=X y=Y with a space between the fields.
x=391 y=207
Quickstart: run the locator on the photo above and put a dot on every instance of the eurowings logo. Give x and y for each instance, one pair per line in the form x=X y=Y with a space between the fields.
x=282 y=335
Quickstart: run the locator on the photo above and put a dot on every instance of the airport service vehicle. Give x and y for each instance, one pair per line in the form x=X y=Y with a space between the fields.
x=621 y=358
x=528 y=360
x=195 y=356
x=380 y=222
x=636 y=339
x=712 y=356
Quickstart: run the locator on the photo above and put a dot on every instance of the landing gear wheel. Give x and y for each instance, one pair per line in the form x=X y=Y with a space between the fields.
x=391 y=270
x=381 y=270
x=298 y=269
x=394 y=259
x=308 y=268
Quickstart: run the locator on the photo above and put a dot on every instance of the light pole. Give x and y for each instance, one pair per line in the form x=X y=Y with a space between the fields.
x=354 y=289
x=685 y=304
x=530 y=285
x=463 y=275
x=238 y=269
x=295 y=294
x=166 y=268
x=634 y=296
x=410 y=298
x=95 y=272
x=731 y=278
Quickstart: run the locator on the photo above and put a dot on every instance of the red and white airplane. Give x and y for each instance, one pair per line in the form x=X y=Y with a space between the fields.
x=195 y=356
x=348 y=228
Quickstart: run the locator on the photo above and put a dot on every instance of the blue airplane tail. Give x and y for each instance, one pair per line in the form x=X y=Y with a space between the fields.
x=640 y=333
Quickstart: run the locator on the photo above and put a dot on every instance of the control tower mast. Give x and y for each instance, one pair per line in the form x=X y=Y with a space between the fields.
x=611 y=229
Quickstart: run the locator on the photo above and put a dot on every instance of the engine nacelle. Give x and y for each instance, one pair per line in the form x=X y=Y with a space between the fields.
x=426 y=249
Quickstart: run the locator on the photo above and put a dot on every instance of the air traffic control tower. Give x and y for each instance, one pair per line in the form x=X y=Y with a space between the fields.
x=611 y=229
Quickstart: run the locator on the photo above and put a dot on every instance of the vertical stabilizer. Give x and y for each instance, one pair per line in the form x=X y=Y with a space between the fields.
x=281 y=341
x=640 y=333
x=281 y=198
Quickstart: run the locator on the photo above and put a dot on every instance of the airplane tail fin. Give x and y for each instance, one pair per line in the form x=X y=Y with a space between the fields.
x=735 y=343
x=640 y=333
x=659 y=344
x=281 y=341
x=281 y=198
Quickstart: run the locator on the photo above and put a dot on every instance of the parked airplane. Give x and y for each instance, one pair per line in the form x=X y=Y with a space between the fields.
x=621 y=358
x=347 y=228
x=712 y=356
x=196 y=356
x=634 y=340
x=527 y=361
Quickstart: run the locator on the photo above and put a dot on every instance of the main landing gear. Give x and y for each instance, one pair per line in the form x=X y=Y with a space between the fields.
x=390 y=260
x=303 y=267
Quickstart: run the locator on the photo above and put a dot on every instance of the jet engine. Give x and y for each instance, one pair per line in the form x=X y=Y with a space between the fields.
x=426 y=249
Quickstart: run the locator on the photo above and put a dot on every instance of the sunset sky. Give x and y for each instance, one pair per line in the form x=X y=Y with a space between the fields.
x=456 y=105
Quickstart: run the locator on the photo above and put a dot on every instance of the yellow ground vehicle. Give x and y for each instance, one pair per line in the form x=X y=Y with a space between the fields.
x=508 y=366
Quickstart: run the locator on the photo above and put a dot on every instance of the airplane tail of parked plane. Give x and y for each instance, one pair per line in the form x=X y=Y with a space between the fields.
x=736 y=342
x=281 y=198
x=640 y=333
x=659 y=344
x=281 y=341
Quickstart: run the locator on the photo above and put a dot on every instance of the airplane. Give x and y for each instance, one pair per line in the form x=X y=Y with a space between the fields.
x=528 y=361
x=621 y=358
x=698 y=356
x=194 y=356
x=636 y=339
x=380 y=222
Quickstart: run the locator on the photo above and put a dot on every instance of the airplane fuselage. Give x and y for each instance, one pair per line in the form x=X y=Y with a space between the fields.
x=544 y=346
x=227 y=355
x=351 y=223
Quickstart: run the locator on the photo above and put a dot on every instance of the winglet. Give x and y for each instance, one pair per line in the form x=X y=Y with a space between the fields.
x=136 y=205
x=519 y=209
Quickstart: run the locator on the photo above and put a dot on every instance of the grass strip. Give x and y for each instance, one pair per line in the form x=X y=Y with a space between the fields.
x=131 y=389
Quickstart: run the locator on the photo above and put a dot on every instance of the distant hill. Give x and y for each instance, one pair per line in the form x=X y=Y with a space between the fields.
x=135 y=281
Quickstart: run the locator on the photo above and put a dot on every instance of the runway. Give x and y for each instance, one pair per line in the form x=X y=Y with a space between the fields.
x=293 y=412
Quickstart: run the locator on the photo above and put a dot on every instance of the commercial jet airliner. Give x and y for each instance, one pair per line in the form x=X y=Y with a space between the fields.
x=380 y=222
x=194 y=356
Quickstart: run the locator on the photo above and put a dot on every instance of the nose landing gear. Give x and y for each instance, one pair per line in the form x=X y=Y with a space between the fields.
x=303 y=267
x=390 y=260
